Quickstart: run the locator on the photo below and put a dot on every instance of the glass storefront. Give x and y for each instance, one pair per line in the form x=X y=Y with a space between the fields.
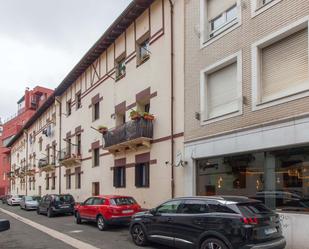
x=278 y=178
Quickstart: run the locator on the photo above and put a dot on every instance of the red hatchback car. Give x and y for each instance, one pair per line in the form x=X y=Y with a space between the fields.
x=107 y=210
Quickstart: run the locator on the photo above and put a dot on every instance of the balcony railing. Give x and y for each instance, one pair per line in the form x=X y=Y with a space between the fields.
x=130 y=135
x=69 y=159
x=46 y=165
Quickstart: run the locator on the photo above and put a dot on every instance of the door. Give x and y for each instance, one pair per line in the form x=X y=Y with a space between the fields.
x=84 y=209
x=97 y=207
x=191 y=222
x=160 y=228
x=95 y=188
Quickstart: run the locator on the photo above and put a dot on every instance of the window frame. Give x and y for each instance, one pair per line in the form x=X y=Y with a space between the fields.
x=78 y=103
x=96 y=111
x=145 y=39
x=205 y=38
x=256 y=47
x=69 y=107
x=234 y=58
x=139 y=182
x=96 y=157
x=257 y=9
x=117 y=181
x=118 y=61
x=68 y=180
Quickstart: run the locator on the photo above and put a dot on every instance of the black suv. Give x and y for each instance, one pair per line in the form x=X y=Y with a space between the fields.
x=226 y=222
x=56 y=204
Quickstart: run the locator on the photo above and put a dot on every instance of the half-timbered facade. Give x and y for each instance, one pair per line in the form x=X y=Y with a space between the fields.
x=115 y=123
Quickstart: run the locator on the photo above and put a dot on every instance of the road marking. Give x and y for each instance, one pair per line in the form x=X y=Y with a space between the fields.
x=51 y=232
x=76 y=231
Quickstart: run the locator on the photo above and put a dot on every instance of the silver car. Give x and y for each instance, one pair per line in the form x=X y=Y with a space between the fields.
x=14 y=200
x=29 y=202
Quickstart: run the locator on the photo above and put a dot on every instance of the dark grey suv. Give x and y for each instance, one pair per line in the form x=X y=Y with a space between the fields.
x=209 y=223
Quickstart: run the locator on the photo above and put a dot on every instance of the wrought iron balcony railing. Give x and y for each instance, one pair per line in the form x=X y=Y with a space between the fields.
x=129 y=136
x=68 y=159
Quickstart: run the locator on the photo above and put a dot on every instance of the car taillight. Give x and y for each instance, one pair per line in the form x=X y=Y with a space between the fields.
x=250 y=221
x=114 y=211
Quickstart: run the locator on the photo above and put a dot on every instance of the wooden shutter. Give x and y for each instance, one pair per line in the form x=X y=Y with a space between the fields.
x=284 y=66
x=222 y=92
x=146 y=168
x=216 y=7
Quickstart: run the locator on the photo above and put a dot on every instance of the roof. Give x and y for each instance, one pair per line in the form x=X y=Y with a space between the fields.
x=126 y=18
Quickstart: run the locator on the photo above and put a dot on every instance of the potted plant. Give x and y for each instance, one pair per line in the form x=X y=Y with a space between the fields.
x=148 y=116
x=102 y=129
x=135 y=115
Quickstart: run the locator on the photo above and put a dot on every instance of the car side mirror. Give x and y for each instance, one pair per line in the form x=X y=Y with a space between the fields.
x=154 y=212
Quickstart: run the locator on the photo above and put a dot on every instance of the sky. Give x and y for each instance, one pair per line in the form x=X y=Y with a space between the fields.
x=42 y=40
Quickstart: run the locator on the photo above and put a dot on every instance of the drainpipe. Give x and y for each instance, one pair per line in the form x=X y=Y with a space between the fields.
x=172 y=98
x=60 y=123
x=26 y=169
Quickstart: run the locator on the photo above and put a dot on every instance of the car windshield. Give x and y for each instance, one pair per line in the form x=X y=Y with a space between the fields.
x=29 y=198
x=122 y=201
x=64 y=198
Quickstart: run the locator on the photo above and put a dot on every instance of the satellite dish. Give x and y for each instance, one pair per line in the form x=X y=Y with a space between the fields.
x=178 y=159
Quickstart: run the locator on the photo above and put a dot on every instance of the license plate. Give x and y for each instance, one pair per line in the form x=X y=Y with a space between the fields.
x=127 y=211
x=65 y=207
x=269 y=231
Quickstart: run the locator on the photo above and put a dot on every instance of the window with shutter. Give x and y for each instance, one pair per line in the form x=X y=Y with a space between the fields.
x=142 y=175
x=119 y=177
x=222 y=96
x=284 y=67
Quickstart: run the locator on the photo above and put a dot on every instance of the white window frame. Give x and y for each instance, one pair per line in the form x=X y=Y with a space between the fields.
x=205 y=39
x=237 y=57
x=256 y=10
x=256 y=47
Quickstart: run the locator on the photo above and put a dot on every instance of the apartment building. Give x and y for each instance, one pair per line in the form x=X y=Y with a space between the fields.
x=95 y=134
x=26 y=107
x=246 y=133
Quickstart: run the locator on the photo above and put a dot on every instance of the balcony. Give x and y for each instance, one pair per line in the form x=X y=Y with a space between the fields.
x=30 y=172
x=46 y=165
x=130 y=136
x=10 y=175
x=68 y=159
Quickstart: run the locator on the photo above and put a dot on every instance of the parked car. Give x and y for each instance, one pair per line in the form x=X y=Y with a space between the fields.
x=5 y=199
x=29 y=202
x=107 y=210
x=14 y=200
x=209 y=222
x=56 y=204
x=4 y=225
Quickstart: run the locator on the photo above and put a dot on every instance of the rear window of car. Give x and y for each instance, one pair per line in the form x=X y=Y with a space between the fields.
x=64 y=198
x=122 y=201
x=253 y=208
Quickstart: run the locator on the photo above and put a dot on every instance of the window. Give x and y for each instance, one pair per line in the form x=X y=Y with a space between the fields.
x=96 y=111
x=120 y=67
x=218 y=17
x=194 y=207
x=68 y=178
x=53 y=181
x=259 y=6
x=143 y=49
x=98 y=201
x=79 y=144
x=96 y=157
x=54 y=154
x=142 y=175
x=120 y=119
x=69 y=108
x=78 y=100
x=47 y=155
x=280 y=66
x=95 y=188
x=119 y=177
x=40 y=145
x=78 y=178
x=221 y=92
x=89 y=201
x=68 y=147
x=47 y=181
x=170 y=207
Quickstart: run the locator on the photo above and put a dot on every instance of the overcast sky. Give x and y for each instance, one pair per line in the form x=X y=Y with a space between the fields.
x=42 y=40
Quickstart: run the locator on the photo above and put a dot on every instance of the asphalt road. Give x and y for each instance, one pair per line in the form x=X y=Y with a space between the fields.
x=23 y=236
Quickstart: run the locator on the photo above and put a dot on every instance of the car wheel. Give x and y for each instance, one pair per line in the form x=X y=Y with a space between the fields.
x=101 y=223
x=138 y=235
x=213 y=243
x=49 y=213
x=78 y=218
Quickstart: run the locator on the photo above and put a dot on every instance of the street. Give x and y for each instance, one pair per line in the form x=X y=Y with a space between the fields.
x=24 y=236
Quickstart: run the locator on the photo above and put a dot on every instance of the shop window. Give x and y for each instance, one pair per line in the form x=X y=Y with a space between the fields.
x=142 y=175
x=119 y=177
x=280 y=179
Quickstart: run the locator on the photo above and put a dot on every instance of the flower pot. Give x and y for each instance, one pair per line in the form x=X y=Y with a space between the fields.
x=135 y=117
x=148 y=117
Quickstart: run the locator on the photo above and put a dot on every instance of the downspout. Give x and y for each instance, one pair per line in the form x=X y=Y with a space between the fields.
x=26 y=169
x=172 y=98
x=60 y=124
